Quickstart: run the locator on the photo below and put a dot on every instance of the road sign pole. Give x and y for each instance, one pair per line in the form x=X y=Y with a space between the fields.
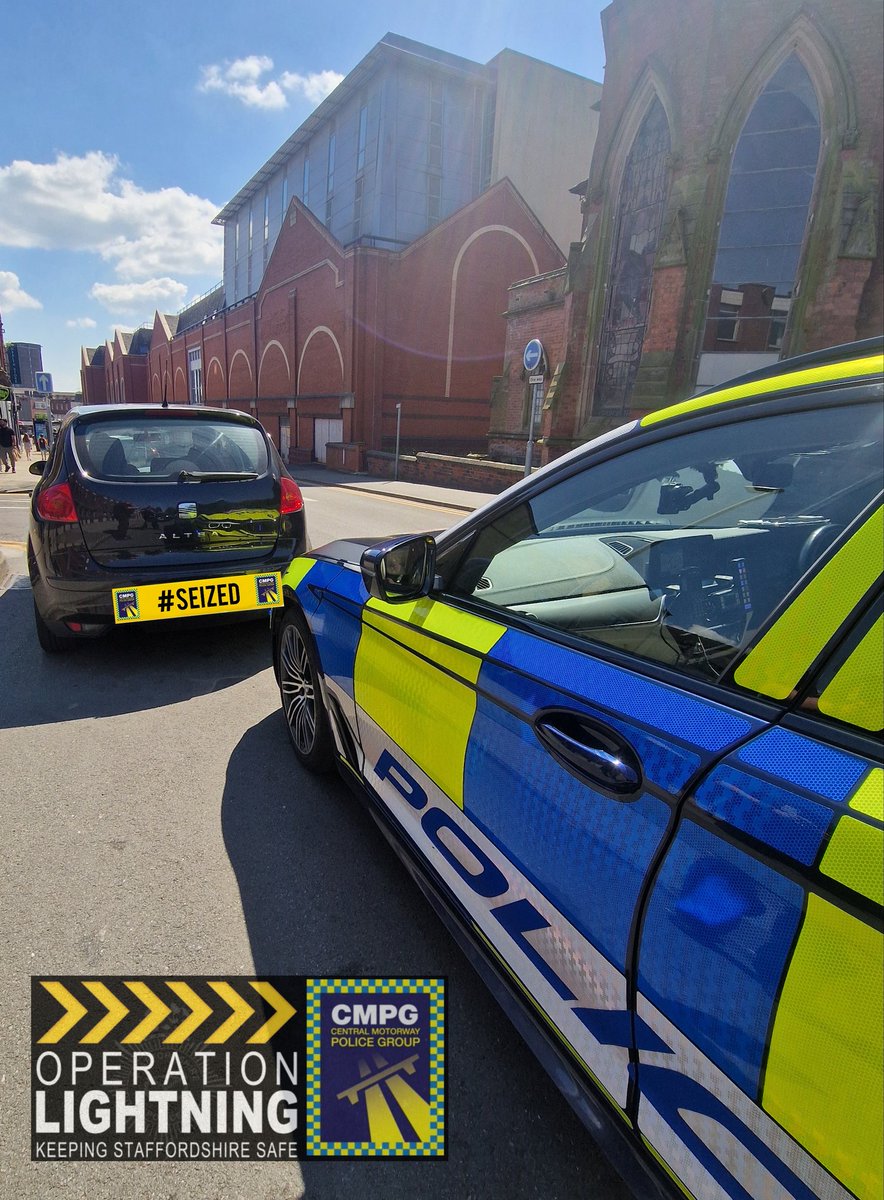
x=536 y=402
x=533 y=360
x=398 y=422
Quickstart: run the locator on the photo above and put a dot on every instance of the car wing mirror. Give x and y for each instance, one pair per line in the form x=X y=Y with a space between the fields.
x=401 y=569
x=38 y=467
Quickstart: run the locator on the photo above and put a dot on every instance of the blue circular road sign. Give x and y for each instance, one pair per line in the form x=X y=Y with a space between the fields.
x=533 y=355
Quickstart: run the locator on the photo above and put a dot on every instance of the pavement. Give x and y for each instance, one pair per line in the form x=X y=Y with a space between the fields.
x=21 y=482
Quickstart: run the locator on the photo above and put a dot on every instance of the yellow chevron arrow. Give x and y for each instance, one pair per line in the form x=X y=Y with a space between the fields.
x=241 y=1011
x=73 y=1011
x=116 y=1010
x=157 y=1011
x=283 y=1013
x=199 y=1010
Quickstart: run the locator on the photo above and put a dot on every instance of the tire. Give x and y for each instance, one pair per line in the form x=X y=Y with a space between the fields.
x=50 y=642
x=297 y=668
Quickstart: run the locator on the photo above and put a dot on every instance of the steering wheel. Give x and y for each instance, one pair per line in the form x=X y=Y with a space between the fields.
x=817 y=542
x=208 y=461
x=177 y=465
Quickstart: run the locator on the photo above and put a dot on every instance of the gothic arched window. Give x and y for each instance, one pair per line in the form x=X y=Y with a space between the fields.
x=765 y=215
x=639 y=223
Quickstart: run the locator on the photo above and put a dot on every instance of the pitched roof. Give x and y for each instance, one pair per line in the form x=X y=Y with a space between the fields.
x=203 y=308
x=141 y=341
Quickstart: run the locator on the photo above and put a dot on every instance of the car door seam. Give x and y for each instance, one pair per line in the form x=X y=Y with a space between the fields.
x=642 y=904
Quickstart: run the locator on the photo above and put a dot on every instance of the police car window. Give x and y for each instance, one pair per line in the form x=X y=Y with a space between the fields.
x=678 y=551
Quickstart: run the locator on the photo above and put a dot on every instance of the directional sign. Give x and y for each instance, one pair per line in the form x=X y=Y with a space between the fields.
x=43 y=381
x=533 y=356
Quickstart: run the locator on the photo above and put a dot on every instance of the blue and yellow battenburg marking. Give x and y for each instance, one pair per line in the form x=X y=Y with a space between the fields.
x=197 y=597
x=737 y=1099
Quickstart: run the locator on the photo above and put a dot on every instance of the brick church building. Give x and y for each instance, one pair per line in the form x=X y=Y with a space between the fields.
x=731 y=214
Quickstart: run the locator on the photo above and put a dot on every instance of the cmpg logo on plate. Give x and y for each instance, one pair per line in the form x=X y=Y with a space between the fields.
x=126 y=605
x=267 y=587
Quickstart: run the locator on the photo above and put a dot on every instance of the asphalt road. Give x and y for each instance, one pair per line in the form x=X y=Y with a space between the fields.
x=154 y=820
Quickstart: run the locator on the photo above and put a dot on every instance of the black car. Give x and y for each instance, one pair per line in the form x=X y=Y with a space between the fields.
x=146 y=513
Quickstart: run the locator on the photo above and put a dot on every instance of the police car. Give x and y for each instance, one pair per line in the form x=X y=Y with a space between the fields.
x=624 y=724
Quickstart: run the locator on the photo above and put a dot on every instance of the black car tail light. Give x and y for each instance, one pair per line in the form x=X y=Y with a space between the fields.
x=290 y=498
x=57 y=504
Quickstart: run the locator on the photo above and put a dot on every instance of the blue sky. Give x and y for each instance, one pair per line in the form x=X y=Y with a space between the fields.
x=125 y=129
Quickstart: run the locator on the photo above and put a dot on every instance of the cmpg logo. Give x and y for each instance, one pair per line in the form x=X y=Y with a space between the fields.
x=381 y=1047
x=127 y=604
x=267 y=588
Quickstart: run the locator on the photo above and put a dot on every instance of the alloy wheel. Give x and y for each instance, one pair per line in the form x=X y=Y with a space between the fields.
x=298 y=687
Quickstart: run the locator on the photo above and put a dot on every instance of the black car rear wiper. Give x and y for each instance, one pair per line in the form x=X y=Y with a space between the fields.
x=215 y=476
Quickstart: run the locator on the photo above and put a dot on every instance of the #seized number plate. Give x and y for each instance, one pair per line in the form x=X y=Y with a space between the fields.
x=197 y=597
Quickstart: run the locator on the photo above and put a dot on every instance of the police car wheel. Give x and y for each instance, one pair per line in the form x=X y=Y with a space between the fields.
x=305 y=715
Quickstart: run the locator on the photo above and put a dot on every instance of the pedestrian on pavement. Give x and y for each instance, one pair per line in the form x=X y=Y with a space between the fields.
x=26 y=445
x=42 y=445
x=8 y=446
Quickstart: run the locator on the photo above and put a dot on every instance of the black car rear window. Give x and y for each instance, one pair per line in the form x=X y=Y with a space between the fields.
x=151 y=448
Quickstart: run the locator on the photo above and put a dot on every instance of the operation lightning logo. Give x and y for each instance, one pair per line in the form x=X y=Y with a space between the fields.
x=197 y=1068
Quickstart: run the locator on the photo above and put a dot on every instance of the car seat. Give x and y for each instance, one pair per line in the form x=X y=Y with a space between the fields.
x=114 y=461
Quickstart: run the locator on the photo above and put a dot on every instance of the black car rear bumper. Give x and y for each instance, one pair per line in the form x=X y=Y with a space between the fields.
x=88 y=601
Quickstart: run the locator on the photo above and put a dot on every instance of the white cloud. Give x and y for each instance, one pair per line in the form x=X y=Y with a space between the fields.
x=242 y=79
x=314 y=87
x=13 y=295
x=165 y=294
x=80 y=323
x=85 y=203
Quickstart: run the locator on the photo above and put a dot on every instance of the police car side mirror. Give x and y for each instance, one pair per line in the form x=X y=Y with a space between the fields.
x=402 y=569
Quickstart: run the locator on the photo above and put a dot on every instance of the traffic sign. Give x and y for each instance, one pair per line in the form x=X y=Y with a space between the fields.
x=43 y=381
x=533 y=356
x=536 y=378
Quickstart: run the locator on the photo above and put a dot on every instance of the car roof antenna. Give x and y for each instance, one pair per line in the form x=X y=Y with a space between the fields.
x=165 y=403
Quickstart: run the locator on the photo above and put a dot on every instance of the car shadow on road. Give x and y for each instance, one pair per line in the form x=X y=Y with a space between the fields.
x=129 y=670
x=323 y=894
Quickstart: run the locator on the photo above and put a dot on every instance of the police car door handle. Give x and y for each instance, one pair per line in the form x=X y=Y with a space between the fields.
x=591 y=751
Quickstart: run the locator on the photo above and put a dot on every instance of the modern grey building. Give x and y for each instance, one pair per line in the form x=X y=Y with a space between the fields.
x=411 y=135
x=25 y=361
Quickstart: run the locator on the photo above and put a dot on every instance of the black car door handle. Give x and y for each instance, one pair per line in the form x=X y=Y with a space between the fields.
x=593 y=752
